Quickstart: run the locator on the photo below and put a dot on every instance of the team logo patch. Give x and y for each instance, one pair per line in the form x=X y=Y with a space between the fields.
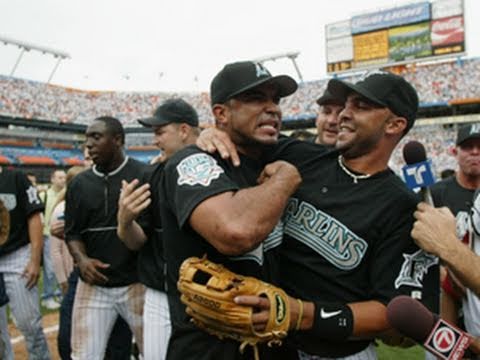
x=9 y=200
x=414 y=267
x=198 y=169
x=32 y=195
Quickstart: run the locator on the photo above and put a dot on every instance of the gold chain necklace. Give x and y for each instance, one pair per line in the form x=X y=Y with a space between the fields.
x=349 y=173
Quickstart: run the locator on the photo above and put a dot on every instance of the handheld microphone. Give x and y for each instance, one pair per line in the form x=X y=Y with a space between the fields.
x=413 y=319
x=418 y=170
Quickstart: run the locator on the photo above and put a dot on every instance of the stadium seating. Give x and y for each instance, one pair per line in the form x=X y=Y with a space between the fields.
x=441 y=83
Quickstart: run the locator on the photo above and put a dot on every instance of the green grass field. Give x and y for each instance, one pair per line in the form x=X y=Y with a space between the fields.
x=393 y=353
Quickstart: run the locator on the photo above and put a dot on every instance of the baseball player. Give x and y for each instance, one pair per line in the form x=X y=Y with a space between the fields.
x=20 y=260
x=175 y=125
x=346 y=247
x=327 y=119
x=109 y=284
x=211 y=208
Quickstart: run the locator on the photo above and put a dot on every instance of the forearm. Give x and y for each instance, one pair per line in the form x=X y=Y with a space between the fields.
x=132 y=235
x=461 y=260
x=35 y=233
x=77 y=250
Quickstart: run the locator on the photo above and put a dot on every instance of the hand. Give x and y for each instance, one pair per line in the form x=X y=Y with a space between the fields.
x=57 y=228
x=89 y=268
x=281 y=170
x=31 y=273
x=63 y=287
x=261 y=310
x=435 y=229
x=213 y=140
x=132 y=201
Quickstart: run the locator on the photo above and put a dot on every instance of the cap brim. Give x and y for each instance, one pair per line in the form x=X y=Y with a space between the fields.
x=341 y=89
x=152 y=121
x=471 y=136
x=286 y=85
x=329 y=99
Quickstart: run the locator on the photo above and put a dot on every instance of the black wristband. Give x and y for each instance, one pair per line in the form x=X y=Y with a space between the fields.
x=333 y=321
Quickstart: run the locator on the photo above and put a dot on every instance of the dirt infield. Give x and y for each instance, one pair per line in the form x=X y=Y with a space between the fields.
x=49 y=323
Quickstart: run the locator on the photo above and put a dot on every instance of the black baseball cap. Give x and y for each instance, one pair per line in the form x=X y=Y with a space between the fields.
x=384 y=89
x=467 y=132
x=235 y=78
x=172 y=111
x=328 y=98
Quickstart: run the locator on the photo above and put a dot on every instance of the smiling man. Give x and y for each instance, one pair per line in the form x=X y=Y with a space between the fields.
x=327 y=119
x=347 y=249
x=211 y=208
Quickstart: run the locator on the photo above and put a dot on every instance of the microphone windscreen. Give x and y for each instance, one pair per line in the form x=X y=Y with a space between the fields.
x=410 y=318
x=414 y=152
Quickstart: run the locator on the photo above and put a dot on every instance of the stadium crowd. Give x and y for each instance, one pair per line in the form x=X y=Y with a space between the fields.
x=436 y=83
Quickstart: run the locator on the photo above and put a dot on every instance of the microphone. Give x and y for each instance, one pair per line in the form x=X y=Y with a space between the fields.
x=411 y=318
x=418 y=170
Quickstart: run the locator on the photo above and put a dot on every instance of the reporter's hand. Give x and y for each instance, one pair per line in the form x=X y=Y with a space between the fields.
x=213 y=140
x=435 y=229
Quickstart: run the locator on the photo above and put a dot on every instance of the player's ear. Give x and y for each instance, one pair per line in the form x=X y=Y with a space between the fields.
x=221 y=114
x=395 y=125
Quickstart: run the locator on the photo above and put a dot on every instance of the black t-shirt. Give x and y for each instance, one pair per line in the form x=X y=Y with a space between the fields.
x=346 y=242
x=91 y=216
x=151 y=259
x=190 y=177
x=21 y=200
x=449 y=193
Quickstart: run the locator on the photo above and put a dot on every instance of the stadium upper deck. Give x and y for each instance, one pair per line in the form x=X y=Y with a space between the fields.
x=437 y=84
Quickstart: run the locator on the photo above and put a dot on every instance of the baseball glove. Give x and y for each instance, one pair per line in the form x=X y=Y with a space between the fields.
x=4 y=223
x=208 y=290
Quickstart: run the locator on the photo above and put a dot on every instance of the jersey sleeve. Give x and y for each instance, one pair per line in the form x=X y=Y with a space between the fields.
x=189 y=179
x=399 y=267
x=28 y=195
x=74 y=217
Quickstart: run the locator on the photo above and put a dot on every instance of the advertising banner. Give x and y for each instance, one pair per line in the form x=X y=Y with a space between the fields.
x=402 y=15
x=448 y=31
x=446 y=8
x=370 y=46
x=338 y=29
x=409 y=42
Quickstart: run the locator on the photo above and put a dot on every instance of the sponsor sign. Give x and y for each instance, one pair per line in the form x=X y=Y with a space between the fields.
x=370 y=46
x=402 y=15
x=446 y=8
x=409 y=42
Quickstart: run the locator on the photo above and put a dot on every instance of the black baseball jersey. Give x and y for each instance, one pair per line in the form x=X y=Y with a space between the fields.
x=349 y=242
x=190 y=177
x=151 y=259
x=21 y=199
x=449 y=193
x=91 y=216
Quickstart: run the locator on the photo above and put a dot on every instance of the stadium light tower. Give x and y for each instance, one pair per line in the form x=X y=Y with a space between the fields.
x=24 y=47
x=288 y=55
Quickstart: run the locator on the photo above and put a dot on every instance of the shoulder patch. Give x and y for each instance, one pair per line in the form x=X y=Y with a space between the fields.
x=198 y=169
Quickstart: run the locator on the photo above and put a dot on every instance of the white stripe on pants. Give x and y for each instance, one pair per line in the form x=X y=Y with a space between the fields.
x=24 y=302
x=368 y=354
x=95 y=310
x=156 y=325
